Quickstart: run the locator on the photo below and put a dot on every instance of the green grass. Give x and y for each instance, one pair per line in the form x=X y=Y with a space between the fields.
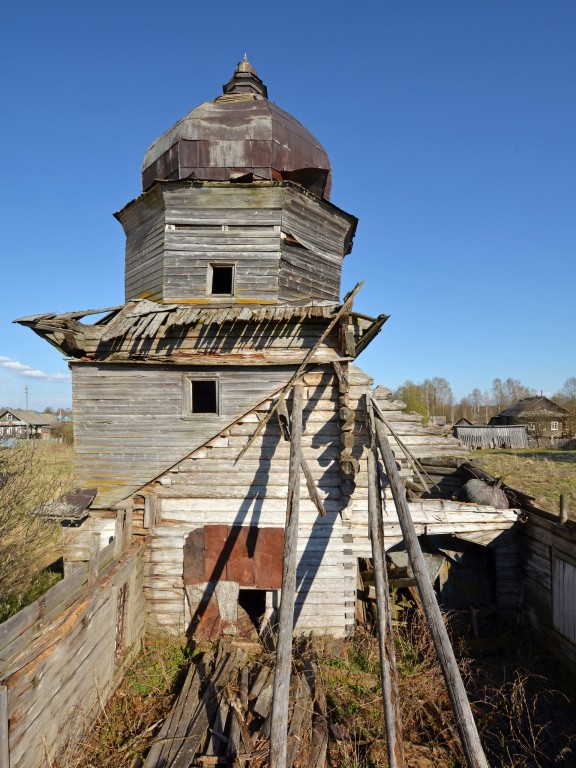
x=541 y=473
x=41 y=583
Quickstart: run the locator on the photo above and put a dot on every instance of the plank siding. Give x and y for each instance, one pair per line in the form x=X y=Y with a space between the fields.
x=549 y=578
x=144 y=226
x=56 y=684
x=304 y=274
x=174 y=232
x=129 y=424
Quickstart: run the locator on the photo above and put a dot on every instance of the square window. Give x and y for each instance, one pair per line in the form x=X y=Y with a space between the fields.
x=200 y=396
x=221 y=279
x=554 y=426
x=204 y=396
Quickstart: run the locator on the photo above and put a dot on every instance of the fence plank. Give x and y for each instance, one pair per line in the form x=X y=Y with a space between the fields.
x=4 y=733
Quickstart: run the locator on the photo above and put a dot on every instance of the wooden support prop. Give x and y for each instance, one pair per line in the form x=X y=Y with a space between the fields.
x=315 y=498
x=463 y=714
x=563 y=509
x=151 y=516
x=128 y=525
x=93 y=562
x=408 y=453
x=388 y=672
x=280 y=700
x=348 y=299
x=4 y=730
x=120 y=532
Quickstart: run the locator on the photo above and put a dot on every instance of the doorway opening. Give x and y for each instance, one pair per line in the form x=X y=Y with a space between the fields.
x=253 y=603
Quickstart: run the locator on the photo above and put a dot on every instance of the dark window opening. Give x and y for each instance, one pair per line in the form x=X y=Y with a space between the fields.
x=253 y=602
x=204 y=396
x=222 y=280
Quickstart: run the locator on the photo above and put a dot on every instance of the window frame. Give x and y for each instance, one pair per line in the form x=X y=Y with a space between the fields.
x=210 y=278
x=554 y=426
x=187 y=398
x=560 y=559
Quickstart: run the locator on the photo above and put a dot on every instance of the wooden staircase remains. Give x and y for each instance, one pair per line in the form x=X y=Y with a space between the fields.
x=223 y=714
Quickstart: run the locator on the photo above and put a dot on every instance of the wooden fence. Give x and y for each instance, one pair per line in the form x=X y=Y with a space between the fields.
x=63 y=655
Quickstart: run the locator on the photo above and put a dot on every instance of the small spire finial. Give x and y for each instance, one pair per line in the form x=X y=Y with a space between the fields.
x=245 y=79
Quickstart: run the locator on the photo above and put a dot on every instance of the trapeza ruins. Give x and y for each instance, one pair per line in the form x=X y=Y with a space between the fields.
x=233 y=264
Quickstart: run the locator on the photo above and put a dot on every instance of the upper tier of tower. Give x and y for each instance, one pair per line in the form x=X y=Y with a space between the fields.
x=235 y=208
x=240 y=135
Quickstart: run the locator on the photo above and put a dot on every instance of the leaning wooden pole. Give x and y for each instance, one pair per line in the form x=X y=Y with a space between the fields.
x=279 y=722
x=388 y=673
x=467 y=730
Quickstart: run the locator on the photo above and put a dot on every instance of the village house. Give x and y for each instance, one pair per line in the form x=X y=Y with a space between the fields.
x=234 y=253
x=541 y=416
x=26 y=424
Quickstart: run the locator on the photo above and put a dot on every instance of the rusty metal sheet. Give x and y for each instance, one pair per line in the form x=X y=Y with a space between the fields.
x=194 y=557
x=221 y=139
x=215 y=552
x=247 y=555
x=268 y=563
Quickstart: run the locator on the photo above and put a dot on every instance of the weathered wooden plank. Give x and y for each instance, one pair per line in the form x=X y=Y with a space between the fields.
x=4 y=728
x=464 y=719
x=279 y=721
x=205 y=712
x=388 y=672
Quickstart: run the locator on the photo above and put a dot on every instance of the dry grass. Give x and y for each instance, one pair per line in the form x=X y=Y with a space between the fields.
x=30 y=474
x=524 y=706
x=127 y=725
x=544 y=474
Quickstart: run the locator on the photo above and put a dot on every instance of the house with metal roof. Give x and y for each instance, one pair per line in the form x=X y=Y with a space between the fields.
x=541 y=416
x=26 y=424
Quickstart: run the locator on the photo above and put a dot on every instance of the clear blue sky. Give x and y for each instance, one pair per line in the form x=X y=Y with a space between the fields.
x=451 y=126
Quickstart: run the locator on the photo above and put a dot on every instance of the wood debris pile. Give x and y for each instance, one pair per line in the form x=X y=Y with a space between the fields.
x=223 y=715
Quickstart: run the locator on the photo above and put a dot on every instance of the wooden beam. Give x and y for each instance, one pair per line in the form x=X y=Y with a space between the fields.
x=563 y=509
x=408 y=453
x=467 y=730
x=119 y=532
x=388 y=671
x=93 y=564
x=279 y=722
x=307 y=360
x=4 y=728
x=315 y=498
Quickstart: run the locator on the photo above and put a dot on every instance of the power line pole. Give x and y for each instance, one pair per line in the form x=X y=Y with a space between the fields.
x=26 y=419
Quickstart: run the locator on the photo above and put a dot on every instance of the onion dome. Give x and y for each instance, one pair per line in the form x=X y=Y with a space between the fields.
x=240 y=136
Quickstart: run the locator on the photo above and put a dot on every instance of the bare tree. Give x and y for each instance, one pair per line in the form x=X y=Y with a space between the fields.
x=566 y=397
x=27 y=541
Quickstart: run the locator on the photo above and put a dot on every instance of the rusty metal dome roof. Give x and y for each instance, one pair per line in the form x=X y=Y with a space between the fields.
x=239 y=136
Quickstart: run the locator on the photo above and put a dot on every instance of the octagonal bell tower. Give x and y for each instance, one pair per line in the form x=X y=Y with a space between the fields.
x=235 y=208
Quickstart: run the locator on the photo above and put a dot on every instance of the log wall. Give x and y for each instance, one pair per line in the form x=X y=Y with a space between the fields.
x=209 y=488
x=64 y=654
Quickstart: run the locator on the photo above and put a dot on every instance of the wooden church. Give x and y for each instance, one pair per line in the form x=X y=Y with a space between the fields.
x=233 y=264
